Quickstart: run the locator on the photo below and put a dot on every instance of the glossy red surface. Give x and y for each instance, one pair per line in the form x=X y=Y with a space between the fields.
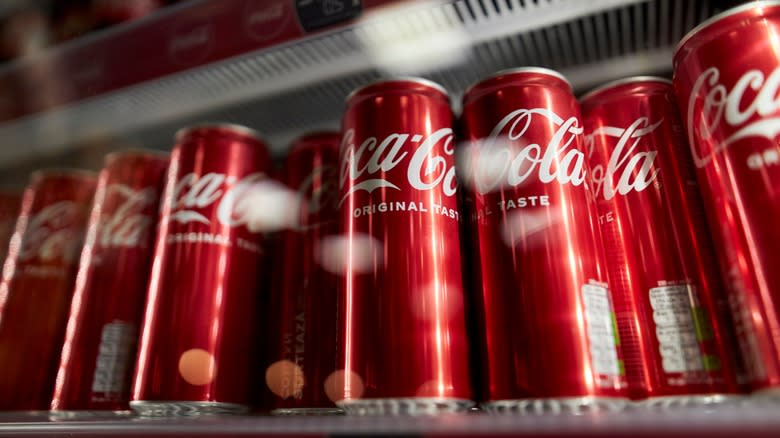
x=302 y=333
x=9 y=212
x=98 y=353
x=37 y=285
x=541 y=283
x=727 y=78
x=401 y=311
x=196 y=342
x=671 y=309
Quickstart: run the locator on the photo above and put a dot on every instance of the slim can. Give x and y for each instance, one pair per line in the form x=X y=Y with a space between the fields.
x=727 y=78
x=303 y=302
x=196 y=347
x=402 y=336
x=98 y=353
x=674 y=325
x=37 y=285
x=547 y=315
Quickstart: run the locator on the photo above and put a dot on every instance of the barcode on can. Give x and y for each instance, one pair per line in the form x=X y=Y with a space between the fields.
x=601 y=330
x=115 y=356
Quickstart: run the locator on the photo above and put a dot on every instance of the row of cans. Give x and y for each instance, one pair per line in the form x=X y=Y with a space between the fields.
x=560 y=260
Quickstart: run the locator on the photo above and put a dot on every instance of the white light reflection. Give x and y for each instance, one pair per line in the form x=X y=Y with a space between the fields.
x=340 y=255
x=269 y=206
x=523 y=226
x=496 y=164
x=412 y=37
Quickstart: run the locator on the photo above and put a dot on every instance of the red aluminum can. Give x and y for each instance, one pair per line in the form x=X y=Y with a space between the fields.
x=542 y=296
x=727 y=78
x=673 y=323
x=303 y=302
x=98 y=354
x=37 y=284
x=9 y=212
x=402 y=334
x=196 y=347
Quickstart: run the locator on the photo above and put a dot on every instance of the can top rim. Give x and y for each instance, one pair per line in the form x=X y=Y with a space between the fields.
x=136 y=151
x=233 y=127
x=415 y=79
x=63 y=171
x=507 y=71
x=720 y=16
x=623 y=81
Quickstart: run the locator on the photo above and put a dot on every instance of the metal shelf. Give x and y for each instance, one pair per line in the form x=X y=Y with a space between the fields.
x=135 y=84
x=721 y=421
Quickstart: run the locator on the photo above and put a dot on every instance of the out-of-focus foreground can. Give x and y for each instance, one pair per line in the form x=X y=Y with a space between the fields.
x=196 y=347
x=98 y=354
x=674 y=329
x=402 y=341
x=550 y=342
x=727 y=78
x=9 y=211
x=37 y=284
x=301 y=337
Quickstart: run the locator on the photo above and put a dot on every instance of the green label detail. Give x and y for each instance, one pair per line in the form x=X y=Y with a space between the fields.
x=711 y=363
x=621 y=368
x=615 y=329
x=702 y=324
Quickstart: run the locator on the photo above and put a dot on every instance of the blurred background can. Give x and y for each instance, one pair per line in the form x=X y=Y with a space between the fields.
x=727 y=78
x=98 y=354
x=10 y=201
x=543 y=302
x=303 y=302
x=196 y=345
x=37 y=284
x=402 y=341
x=675 y=332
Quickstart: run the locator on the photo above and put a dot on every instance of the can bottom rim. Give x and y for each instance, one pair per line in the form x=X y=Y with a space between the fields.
x=557 y=405
x=696 y=400
x=75 y=414
x=307 y=411
x=405 y=406
x=185 y=408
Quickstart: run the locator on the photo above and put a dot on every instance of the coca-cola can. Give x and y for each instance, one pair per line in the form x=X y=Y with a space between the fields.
x=671 y=310
x=98 y=353
x=402 y=336
x=10 y=201
x=302 y=312
x=196 y=346
x=547 y=315
x=727 y=78
x=37 y=285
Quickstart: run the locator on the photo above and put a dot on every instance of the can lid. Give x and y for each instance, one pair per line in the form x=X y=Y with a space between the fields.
x=531 y=69
x=141 y=152
x=238 y=129
x=64 y=172
x=624 y=81
x=422 y=81
x=725 y=14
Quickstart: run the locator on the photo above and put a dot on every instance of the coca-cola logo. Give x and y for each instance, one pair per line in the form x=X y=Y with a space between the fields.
x=192 y=193
x=626 y=169
x=191 y=42
x=508 y=158
x=720 y=104
x=127 y=226
x=266 y=19
x=426 y=167
x=318 y=191
x=52 y=234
